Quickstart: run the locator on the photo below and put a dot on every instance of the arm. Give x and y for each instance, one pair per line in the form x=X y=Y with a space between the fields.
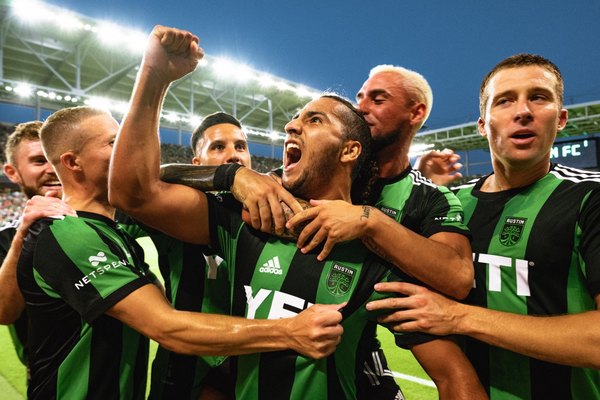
x=134 y=184
x=442 y=261
x=454 y=377
x=266 y=203
x=11 y=299
x=440 y=166
x=314 y=332
x=543 y=338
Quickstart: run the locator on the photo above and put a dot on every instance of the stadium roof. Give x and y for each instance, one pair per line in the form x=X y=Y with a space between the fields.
x=584 y=119
x=53 y=58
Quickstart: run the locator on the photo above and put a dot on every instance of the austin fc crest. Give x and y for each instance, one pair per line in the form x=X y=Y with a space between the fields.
x=339 y=279
x=512 y=230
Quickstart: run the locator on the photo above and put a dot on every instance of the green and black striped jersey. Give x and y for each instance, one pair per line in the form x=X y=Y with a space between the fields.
x=272 y=279
x=424 y=208
x=536 y=252
x=71 y=271
x=194 y=281
x=18 y=330
x=419 y=205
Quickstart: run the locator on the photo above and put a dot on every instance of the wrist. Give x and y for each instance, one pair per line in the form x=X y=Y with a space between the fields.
x=225 y=175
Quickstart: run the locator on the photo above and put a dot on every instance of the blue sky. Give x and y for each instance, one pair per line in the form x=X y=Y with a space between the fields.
x=333 y=44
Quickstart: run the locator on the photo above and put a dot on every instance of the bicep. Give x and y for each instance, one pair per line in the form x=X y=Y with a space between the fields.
x=177 y=210
x=458 y=242
x=142 y=309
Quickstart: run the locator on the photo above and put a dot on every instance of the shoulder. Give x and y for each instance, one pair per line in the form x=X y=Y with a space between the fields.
x=575 y=175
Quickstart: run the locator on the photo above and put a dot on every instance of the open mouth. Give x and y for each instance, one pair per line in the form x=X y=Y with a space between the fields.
x=293 y=154
x=524 y=135
x=52 y=184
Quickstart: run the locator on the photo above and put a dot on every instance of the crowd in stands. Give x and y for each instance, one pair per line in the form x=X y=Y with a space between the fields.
x=12 y=202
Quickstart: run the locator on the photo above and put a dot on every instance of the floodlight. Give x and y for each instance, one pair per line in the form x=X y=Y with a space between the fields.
x=171 y=117
x=31 y=11
x=23 y=90
x=224 y=67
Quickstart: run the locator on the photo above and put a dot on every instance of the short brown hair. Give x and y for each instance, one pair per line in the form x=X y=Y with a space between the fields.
x=520 y=60
x=25 y=131
x=60 y=131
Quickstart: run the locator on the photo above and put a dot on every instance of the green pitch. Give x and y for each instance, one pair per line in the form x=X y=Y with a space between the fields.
x=412 y=379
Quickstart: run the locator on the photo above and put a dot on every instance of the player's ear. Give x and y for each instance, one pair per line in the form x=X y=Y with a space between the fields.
x=70 y=161
x=12 y=173
x=351 y=151
x=481 y=127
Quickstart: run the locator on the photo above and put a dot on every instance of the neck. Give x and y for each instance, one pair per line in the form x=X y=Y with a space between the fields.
x=393 y=159
x=506 y=177
x=84 y=202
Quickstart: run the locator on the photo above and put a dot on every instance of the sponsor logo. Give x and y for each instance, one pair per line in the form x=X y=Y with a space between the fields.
x=390 y=212
x=272 y=267
x=456 y=218
x=281 y=304
x=512 y=231
x=98 y=258
x=339 y=279
x=101 y=270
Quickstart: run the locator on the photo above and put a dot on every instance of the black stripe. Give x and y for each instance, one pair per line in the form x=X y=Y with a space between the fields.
x=107 y=338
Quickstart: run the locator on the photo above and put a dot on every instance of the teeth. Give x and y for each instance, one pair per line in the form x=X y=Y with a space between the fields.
x=292 y=145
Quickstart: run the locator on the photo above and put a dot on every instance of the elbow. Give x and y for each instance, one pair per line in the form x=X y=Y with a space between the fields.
x=464 y=281
x=9 y=315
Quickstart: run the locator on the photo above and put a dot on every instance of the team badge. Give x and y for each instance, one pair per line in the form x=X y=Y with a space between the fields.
x=512 y=230
x=339 y=279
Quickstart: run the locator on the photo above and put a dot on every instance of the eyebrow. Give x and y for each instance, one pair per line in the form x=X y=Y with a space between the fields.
x=371 y=93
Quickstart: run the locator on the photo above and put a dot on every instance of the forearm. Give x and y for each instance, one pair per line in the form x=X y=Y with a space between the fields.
x=11 y=299
x=135 y=162
x=567 y=339
x=455 y=377
x=436 y=264
x=210 y=334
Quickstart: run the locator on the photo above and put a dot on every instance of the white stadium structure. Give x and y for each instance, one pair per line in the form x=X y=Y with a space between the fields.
x=52 y=58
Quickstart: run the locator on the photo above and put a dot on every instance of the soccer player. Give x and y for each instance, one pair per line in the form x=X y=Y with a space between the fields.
x=194 y=280
x=532 y=322
x=27 y=167
x=90 y=297
x=270 y=277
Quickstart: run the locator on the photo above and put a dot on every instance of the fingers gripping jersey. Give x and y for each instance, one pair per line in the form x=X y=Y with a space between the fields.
x=536 y=252
x=71 y=271
x=272 y=279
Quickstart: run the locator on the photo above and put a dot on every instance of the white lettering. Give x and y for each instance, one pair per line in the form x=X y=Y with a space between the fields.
x=280 y=301
x=495 y=264
x=494 y=273
x=255 y=302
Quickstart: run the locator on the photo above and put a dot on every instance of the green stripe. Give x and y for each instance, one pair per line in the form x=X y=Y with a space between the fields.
x=506 y=367
x=73 y=374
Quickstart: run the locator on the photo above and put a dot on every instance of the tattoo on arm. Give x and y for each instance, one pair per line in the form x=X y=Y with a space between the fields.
x=365 y=212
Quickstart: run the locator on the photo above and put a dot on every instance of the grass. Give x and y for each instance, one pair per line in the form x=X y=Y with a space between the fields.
x=12 y=372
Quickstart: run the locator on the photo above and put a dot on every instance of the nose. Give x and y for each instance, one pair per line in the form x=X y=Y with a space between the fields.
x=49 y=170
x=362 y=105
x=292 y=127
x=232 y=156
x=523 y=112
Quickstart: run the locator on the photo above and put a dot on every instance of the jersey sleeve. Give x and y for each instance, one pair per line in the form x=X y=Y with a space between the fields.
x=443 y=213
x=589 y=223
x=86 y=267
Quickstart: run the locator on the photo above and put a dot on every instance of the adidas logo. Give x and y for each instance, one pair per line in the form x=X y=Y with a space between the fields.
x=272 y=267
x=97 y=259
